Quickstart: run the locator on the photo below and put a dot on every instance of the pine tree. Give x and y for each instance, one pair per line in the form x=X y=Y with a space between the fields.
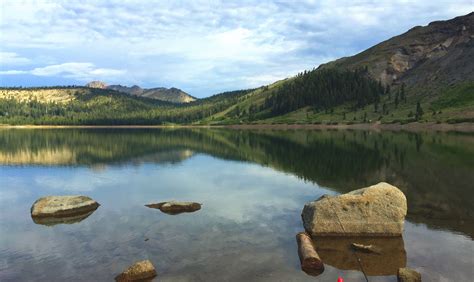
x=402 y=93
x=419 y=111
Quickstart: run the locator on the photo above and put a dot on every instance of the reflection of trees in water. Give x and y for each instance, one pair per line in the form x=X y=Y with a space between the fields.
x=433 y=169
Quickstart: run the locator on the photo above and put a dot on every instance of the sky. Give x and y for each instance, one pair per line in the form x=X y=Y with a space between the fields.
x=201 y=47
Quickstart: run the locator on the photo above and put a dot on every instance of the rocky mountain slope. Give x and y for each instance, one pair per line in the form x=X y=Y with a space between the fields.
x=439 y=53
x=173 y=95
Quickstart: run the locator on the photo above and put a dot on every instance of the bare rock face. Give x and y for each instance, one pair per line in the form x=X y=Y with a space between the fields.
x=378 y=210
x=139 y=271
x=174 y=207
x=62 y=207
x=408 y=275
x=97 y=84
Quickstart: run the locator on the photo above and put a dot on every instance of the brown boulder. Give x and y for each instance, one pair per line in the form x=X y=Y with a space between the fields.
x=139 y=271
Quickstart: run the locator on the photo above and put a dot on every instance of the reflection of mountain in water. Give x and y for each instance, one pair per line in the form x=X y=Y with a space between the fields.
x=434 y=170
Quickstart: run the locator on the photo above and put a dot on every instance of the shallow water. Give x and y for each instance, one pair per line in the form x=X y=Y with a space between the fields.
x=253 y=185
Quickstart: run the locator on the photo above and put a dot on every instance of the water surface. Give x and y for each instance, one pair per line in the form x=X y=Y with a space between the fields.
x=253 y=185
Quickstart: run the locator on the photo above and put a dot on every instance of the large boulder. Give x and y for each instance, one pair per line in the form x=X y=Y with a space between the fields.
x=63 y=206
x=139 y=271
x=378 y=210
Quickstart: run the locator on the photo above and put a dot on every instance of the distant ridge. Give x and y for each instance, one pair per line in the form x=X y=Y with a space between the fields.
x=173 y=95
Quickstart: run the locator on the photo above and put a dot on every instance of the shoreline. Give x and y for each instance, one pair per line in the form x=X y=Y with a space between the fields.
x=428 y=126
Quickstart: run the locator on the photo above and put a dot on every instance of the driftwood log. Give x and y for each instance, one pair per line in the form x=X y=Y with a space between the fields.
x=311 y=263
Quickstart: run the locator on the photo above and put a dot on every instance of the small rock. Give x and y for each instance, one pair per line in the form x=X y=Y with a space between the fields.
x=378 y=210
x=174 y=207
x=63 y=206
x=408 y=275
x=138 y=271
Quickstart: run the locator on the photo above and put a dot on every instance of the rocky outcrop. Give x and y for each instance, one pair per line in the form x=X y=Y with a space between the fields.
x=174 y=207
x=378 y=210
x=97 y=84
x=139 y=271
x=423 y=55
x=62 y=207
x=408 y=275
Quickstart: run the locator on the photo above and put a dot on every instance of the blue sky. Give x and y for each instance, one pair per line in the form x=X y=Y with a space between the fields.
x=202 y=47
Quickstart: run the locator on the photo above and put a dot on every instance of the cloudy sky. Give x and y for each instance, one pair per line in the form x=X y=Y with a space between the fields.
x=202 y=47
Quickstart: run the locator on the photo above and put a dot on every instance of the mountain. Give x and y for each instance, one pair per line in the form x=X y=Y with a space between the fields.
x=439 y=53
x=432 y=66
x=424 y=75
x=173 y=95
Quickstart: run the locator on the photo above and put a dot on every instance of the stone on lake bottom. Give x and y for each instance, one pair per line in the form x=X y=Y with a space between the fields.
x=408 y=275
x=139 y=271
x=378 y=210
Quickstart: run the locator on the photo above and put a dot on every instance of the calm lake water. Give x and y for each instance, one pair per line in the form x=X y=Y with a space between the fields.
x=253 y=186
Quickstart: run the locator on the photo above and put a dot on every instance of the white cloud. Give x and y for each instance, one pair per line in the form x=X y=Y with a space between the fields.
x=79 y=71
x=11 y=58
x=205 y=47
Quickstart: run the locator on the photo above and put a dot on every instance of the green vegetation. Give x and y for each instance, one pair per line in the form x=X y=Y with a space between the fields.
x=319 y=96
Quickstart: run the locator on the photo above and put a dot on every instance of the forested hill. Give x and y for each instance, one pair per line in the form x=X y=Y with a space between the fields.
x=425 y=74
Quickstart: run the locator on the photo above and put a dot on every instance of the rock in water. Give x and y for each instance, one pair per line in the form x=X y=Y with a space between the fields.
x=310 y=261
x=378 y=210
x=142 y=270
x=408 y=275
x=62 y=206
x=174 y=207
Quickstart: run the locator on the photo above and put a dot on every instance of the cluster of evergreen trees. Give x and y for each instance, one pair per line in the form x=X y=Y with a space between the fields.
x=323 y=90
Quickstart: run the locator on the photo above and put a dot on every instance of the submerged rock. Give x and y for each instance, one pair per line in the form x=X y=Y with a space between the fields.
x=139 y=271
x=339 y=252
x=174 y=207
x=311 y=263
x=378 y=210
x=54 y=209
x=408 y=275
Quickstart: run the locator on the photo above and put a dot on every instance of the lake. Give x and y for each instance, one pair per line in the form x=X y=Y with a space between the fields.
x=253 y=185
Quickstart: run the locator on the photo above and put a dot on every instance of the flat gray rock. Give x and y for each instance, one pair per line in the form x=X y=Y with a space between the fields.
x=378 y=210
x=63 y=206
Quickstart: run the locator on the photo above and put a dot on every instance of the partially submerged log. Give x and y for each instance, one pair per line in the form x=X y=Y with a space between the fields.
x=311 y=263
x=52 y=210
x=174 y=207
x=139 y=271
